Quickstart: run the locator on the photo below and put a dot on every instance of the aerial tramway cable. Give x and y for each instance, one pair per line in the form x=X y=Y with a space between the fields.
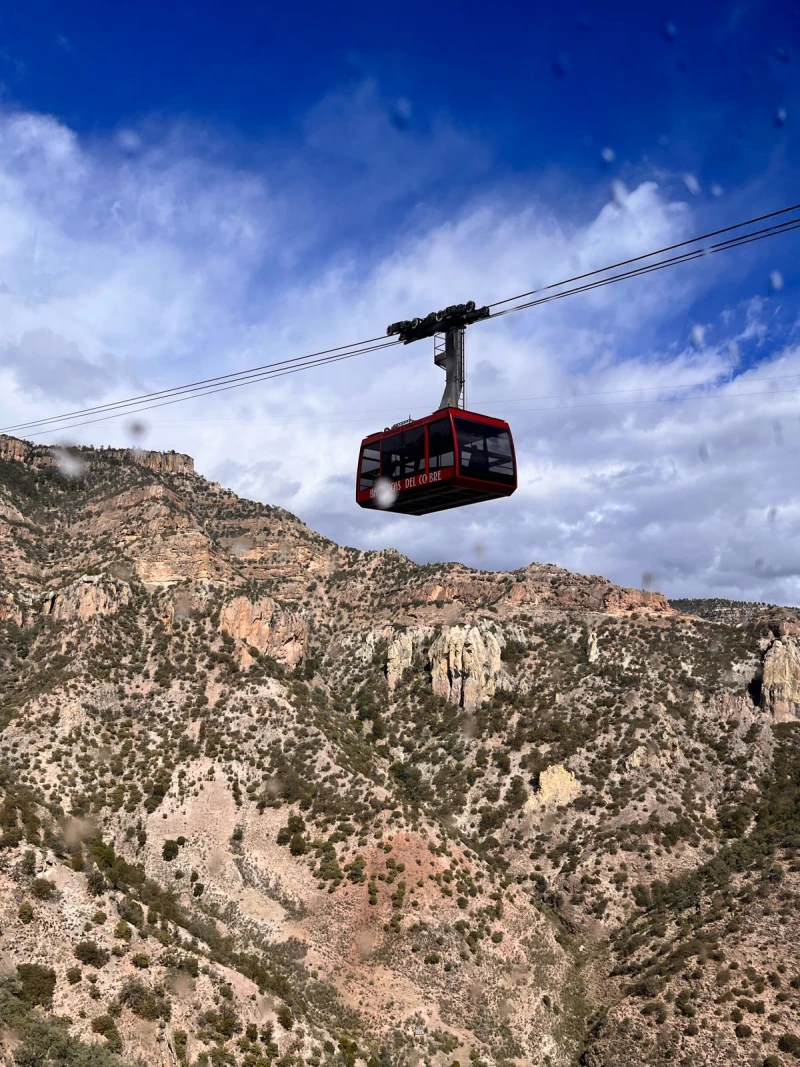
x=281 y=368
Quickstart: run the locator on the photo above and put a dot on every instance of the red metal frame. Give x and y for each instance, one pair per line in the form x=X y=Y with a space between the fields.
x=452 y=475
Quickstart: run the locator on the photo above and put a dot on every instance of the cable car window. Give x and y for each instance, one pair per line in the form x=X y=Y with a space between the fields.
x=392 y=456
x=370 y=466
x=484 y=452
x=413 y=451
x=440 y=445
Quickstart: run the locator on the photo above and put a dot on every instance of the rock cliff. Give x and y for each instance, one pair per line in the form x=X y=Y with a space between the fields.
x=262 y=625
x=465 y=662
x=88 y=596
x=780 y=687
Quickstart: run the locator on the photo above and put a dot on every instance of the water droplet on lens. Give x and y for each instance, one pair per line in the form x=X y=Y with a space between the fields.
x=608 y=155
x=385 y=495
x=716 y=189
x=561 y=65
x=670 y=31
x=692 y=184
x=776 y=281
x=136 y=429
x=777 y=429
x=703 y=452
x=697 y=336
x=69 y=463
x=780 y=116
x=619 y=193
x=401 y=115
x=772 y=515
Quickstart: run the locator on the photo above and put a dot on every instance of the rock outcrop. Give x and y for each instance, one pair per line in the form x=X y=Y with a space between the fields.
x=264 y=626
x=90 y=595
x=592 y=650
x=161 y=462
x=11 y=448
x=780 y=686
x=400 y=653
x=465 y=662
x=557 y=786
x=9 y=610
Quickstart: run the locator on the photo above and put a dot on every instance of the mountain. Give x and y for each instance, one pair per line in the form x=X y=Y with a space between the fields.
x=269 y=800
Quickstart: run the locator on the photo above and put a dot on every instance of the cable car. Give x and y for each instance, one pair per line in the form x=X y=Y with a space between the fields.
x=445 y=460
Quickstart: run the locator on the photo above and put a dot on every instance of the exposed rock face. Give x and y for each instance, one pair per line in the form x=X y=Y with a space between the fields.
x=161 y=462
x=593 y=651
x=261 y=624
x=546 y=586
x=10 y=610
x=557 y=786
x=400 y=653
x=465 y=662
x=13 y=449
x=780 y=688
x=90 y=595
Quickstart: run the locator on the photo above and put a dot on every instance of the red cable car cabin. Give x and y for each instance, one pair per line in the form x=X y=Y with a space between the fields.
x=446 y=460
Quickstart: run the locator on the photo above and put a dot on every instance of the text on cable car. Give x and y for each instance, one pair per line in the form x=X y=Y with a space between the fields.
x=416 y=481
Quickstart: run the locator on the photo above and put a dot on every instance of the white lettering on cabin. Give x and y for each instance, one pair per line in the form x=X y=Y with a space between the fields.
x=411 y=483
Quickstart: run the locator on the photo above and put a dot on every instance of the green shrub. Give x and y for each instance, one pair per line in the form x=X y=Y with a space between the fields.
x=106 y=1026
x=147 y=1003
x=25 y=912
x=43 y=889
x=123 y=931
x=790 y=1043
x=170 y=850
x=140 y=960
x=73 y=975
x=285 y=1017
x=36 y=984
x=90 y=953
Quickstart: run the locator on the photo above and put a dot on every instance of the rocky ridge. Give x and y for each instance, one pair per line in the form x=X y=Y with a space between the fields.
x=270 y=800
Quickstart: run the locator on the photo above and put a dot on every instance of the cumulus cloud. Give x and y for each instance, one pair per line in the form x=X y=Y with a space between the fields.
x=645 y=447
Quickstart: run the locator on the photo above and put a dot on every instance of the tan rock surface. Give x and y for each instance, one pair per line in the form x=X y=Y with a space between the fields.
x=557 y=786
x=90 y=595
x=465 y=662
x=262 y=625
x=780 y=687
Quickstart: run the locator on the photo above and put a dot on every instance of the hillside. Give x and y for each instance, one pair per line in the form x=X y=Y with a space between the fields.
x=268 y=800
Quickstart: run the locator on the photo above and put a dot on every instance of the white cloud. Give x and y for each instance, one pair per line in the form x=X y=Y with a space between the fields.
x=150 y=261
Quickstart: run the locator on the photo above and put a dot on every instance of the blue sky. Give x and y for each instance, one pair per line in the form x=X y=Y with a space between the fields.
x=200 y=188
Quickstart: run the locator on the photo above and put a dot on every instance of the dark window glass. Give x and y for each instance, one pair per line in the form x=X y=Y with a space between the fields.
x=404 y=453
x=484 y=452
x=370 y=466
x=413 y=451
x=440 y=445
x=392 y=456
